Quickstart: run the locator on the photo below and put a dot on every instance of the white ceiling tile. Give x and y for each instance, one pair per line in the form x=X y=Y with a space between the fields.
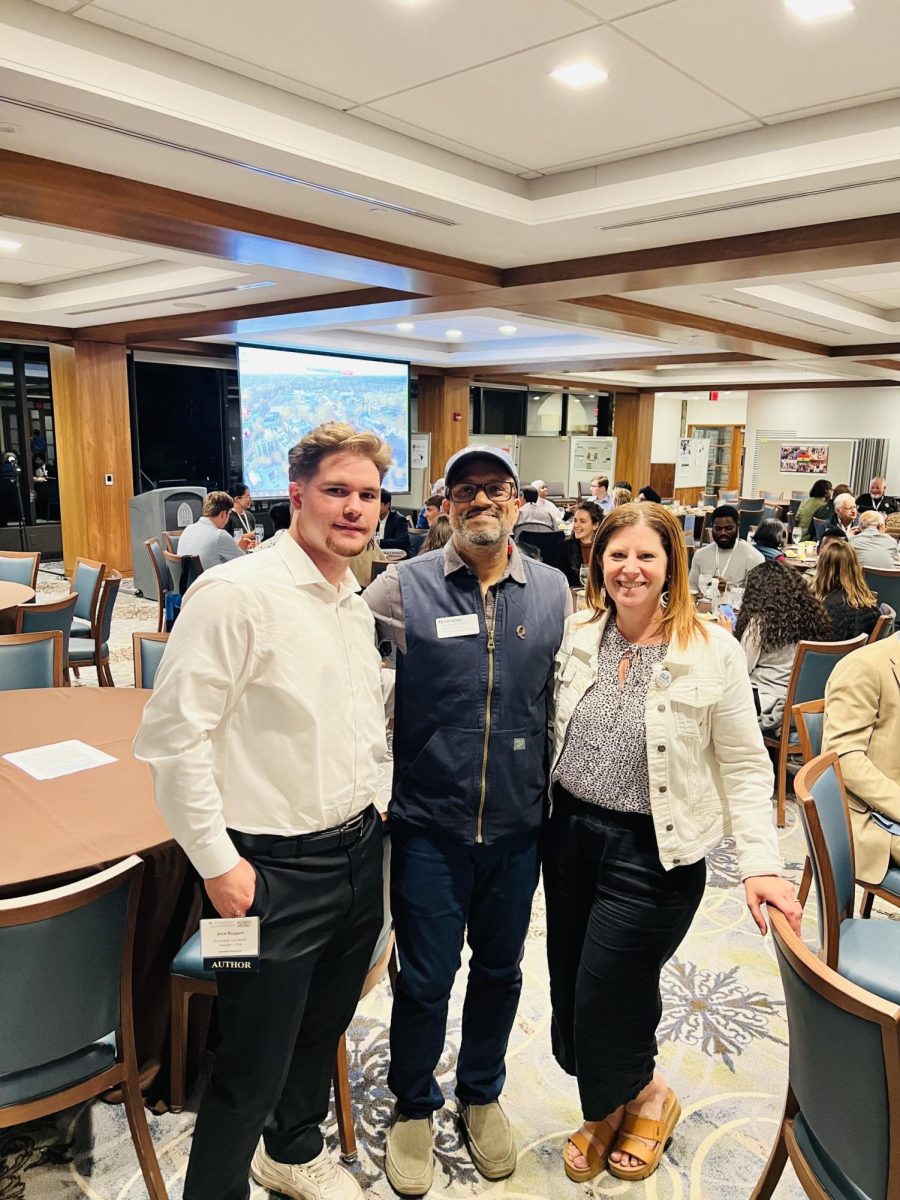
x=609 y=10
x=513 y=109
x=432 y=139
x=61 y=5
x=362 y=49
x=764 y=59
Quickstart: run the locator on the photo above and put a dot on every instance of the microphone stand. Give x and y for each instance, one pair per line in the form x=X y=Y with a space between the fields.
x=16 y=483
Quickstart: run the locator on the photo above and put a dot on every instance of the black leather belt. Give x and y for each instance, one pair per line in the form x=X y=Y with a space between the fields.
x=272 y=846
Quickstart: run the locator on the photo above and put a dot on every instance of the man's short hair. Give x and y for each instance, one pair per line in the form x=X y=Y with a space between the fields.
x=844 y=500
x=239 y=489
x=623 y=483
x=530 y=495
x=216 y=503
x=434 y=502
x=600 y=481
x=872 y=519
x=386 y=496
x=726 y=510
x=280 y=515
x=335 y=437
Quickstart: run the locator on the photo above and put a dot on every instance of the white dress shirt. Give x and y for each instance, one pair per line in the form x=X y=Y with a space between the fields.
x=267 y=715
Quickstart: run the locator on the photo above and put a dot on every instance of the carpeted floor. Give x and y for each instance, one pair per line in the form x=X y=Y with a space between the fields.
x=723 y=1043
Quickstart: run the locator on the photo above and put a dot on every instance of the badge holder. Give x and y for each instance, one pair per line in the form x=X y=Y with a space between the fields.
x=230 y=944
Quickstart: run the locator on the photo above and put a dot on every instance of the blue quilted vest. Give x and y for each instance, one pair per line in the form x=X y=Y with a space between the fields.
x=470 y=729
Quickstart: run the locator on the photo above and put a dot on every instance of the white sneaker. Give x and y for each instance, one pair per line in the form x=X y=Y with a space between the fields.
x=320 y=1179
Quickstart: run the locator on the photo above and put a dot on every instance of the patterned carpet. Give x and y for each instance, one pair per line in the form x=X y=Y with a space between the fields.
x=723 y=1045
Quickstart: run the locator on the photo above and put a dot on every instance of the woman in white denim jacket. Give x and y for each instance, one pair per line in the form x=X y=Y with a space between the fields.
x=657 y=756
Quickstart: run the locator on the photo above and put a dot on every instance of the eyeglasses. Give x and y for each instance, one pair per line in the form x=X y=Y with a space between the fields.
x=497 y=490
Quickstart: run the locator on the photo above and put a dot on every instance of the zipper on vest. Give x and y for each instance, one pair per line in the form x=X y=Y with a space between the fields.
x=479 y=827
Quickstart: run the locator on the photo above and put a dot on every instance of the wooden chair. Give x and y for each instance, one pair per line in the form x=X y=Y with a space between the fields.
x=95 y=653
x=885 y=585
x=885 y=624
x=170 y=539
x=66 y=1029
x=87 y=579
x=809 y=719
x=728 y=497
x=866 y=952
x=18 y=566
x=57 y=614
x=163 y=582
x=31 y=660
x=183 y=570
x=771 y=495
x=148 y=651
x=841 y=1121
x=813 y=663
x=819 y=527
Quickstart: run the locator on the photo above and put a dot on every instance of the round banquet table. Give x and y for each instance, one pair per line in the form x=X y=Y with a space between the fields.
x=58 y=830
x=12 y=595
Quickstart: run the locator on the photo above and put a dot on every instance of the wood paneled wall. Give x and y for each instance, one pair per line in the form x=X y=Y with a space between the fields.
x=662 y=479
x=441 y=399
x=93 y=440
x=633 y=430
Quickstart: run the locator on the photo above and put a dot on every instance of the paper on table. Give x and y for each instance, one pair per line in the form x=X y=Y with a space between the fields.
x=59 y=758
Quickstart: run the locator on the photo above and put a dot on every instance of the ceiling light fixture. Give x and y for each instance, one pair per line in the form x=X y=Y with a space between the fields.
x=455 y=334
x=815 y=10
x=405 y=326
x=249 y=287
x=509 y=330
x=579 y=74
x=9 y=244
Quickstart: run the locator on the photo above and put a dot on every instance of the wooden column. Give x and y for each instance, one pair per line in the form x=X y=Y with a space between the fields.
x=444 y=413
x=633 y=430
x=93 y=441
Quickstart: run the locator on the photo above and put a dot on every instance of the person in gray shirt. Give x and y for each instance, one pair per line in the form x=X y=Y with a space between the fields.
x=532 y=517
x=874 y=547
x=209 y=538
x=728 y=557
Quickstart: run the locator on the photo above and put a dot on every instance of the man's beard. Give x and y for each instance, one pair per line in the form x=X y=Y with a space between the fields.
x=482 y=537
x=342 y=548
x=726 y=543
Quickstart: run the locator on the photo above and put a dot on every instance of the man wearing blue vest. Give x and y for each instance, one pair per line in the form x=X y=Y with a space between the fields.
x=476 y=627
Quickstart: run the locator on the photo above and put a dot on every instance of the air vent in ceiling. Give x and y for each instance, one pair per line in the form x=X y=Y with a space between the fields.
x=340 y=193
x=169 y=298
x=734 y=205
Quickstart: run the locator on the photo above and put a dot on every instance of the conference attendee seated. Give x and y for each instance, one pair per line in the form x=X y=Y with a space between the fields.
x=727 y=558
x=621 y=495
x=392 y=531
x=876 y=498
x=576 y=549
x=648 y=493
x=862 y=726
x=432 y=509
x=826 y=511
x=777 y=611
x=543 y=493
x=438 y=535
x=841 y=586
x=623 y=483
x=770 y=539
x=437 y=493
x=209 y=539
x=533 y=518
x=819 y=494
x=600 y=493
x=242 y=519
x=280 y=516
x=846 y=517
x=872 y=546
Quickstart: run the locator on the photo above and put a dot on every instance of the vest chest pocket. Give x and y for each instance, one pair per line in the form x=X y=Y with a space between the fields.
x=692 y=702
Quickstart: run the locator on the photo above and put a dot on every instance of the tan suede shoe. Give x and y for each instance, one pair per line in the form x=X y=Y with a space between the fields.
x=409 y=1155
x=489 y=1138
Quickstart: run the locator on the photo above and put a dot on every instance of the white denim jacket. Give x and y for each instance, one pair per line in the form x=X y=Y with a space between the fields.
x=710 y=775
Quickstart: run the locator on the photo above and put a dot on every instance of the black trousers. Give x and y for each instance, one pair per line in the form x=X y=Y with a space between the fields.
x=615 y=916
x=321 y=916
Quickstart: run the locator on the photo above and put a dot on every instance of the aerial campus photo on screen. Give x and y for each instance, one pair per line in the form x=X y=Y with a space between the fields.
x=285 y=393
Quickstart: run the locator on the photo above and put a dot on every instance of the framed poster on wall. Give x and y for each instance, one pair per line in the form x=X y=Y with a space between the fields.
x=801 y=458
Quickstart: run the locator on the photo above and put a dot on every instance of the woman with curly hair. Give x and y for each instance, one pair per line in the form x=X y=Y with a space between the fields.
x=841 y=586
x=778 y=611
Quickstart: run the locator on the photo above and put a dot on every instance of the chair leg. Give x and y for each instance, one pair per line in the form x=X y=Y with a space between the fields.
x=179 y=1002
x=805 y=882
x=774 y=1168
x=140 y=1135
x=865 y=905
x=781 y=783
x=343 y=1108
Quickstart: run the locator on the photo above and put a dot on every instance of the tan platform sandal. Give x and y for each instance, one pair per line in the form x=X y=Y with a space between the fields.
x=593 y=1150
x=634 y=1127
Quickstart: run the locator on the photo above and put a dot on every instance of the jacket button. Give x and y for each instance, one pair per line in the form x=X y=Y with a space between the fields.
x=676 y=861
x=662 y=787
x=661 y=749
x=669 y=828
x=660 y=708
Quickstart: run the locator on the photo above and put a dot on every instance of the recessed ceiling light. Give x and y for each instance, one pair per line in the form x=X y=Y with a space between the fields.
x=509 y=330
x=6 y=128
x=405 y=326
x=579 y=74
x=188 y=306
x=249 y=287
x=7 y=243
x=453 y=333
x=815 y=10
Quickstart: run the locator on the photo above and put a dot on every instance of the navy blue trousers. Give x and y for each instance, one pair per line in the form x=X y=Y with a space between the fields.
x=443 y=892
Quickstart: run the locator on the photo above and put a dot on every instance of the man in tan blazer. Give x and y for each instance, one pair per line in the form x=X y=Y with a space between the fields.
x=862 y=725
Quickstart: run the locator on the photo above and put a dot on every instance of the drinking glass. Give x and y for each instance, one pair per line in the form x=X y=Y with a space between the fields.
x=796 y=535
x=583 y=576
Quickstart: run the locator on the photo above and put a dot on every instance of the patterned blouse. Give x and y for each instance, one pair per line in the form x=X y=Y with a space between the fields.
x=604 y=759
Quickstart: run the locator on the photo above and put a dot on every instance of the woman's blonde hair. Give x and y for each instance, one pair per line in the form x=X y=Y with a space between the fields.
x=680 y=621
x=838 y=570
x=621 y=496
x=335 y=437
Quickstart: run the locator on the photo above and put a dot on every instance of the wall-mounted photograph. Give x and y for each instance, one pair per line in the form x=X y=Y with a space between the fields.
x=803 y=459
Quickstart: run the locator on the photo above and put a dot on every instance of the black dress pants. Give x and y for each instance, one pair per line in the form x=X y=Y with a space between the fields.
x=615 y=916
x=321 y=914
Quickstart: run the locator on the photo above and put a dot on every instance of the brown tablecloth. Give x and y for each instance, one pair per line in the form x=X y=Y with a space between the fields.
x=11 y=595
x=57 y=830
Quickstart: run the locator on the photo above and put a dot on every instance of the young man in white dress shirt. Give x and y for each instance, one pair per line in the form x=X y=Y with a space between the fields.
x=263 y=735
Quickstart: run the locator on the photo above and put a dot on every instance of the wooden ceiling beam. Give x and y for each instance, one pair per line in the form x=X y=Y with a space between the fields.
x=21 y=331
x=755 y=385
x=634 y=362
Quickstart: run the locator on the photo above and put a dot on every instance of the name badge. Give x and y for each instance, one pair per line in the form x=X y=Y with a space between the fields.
x=230 y=944
x=464 y=626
